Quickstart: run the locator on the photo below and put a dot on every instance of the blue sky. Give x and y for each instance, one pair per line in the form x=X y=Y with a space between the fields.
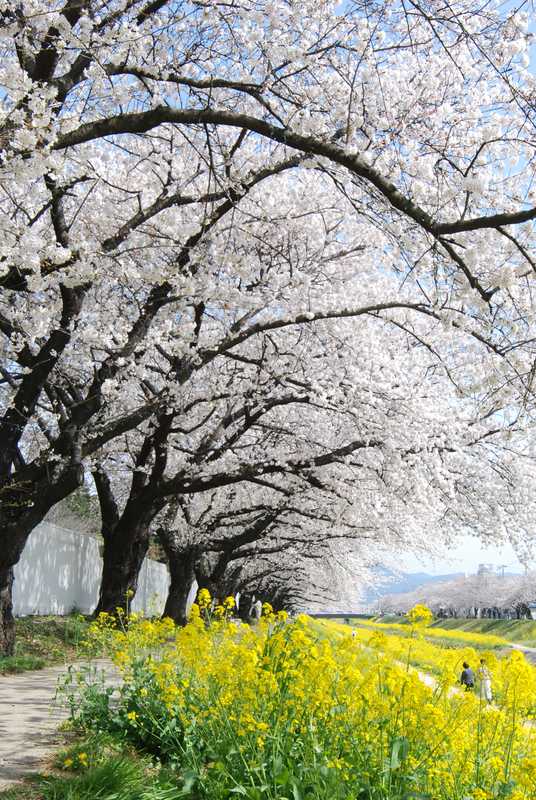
x=465 y=557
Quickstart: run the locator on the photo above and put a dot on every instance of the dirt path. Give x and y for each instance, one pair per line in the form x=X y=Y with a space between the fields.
x=29 y=722
x=529 y=652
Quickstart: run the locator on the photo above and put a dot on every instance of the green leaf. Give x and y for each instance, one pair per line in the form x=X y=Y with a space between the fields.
x=278 y=765
x=283 y=778
x=399 y=752
x=296 y=793
x=417 y=796
x=189 y=778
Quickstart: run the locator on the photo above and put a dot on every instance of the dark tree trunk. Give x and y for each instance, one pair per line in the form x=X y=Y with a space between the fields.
x=182 y=574
x=22 y=507
x=125 y=547
x=203 y=574
x=126 y=540
x=210 y=573
x=7 y=621
x=181 y=563
x=244 y=606
x=13 y=541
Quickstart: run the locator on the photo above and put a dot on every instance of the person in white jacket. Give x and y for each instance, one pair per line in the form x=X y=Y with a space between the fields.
x=485 y=681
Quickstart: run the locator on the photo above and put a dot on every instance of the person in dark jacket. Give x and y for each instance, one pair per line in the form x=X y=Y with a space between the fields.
x=467 y=677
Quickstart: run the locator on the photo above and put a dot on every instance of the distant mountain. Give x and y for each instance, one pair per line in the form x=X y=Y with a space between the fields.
x=397 y=583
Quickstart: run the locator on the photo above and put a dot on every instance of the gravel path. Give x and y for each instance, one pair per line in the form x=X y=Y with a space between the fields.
x=29 y=722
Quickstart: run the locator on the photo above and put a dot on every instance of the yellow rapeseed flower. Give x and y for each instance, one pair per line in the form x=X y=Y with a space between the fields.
x=306 y=690
x=203 y=598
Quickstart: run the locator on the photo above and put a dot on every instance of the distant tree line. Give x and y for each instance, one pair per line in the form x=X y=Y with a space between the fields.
x=473 y=597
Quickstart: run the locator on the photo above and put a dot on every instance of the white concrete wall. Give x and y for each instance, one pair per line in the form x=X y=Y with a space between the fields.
x=60 y=570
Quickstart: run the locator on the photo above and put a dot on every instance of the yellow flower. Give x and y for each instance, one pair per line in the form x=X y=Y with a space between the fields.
x=236 y=683
x=68 y=763
x=121 y=658
x=480 y=794
x=203 y=598
x=420 y=615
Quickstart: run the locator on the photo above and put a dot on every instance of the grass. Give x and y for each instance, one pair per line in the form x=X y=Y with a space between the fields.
x=453 y=638
x=98 y=768
x=43 y=641
x=520 y=631
x=29 y=790
x=120 y=778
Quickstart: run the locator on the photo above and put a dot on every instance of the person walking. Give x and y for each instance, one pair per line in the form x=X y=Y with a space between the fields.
x=485 y=681
x=467 y=678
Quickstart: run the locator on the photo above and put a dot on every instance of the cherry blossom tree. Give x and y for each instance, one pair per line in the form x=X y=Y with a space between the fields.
x=325 y=574
x=224 y=540
x=482 y=595
x=163 y=206
x=403 y=477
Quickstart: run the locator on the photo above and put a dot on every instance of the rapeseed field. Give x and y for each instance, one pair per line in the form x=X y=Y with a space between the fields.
x=301 y=710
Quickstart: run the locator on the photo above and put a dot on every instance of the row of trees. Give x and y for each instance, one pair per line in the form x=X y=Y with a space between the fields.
x=266 y=278
x=492 y=596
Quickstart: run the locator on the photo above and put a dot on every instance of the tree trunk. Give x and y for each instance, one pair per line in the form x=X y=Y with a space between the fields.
x=181 y=562
x=125 y=547
x=23 y=506
x=7 y=621
x=210 y=574
x=15 y=533
x=245 y=604
x=203 y=573
x=182 y=574
x=523 y=611
x=13 y=541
